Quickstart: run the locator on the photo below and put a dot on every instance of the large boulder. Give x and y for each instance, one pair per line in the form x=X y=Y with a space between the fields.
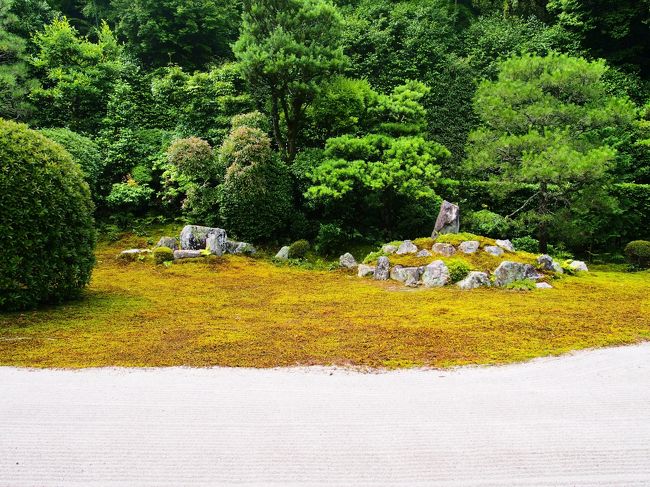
x=194 y=237
x=474 y=279
x=469 y=246
x=493 y=250
x=214 y=245
x=546 y=263
x=410 y=276
x=382 y=271
x=348 y=261
x=435 y=274
x=407 y=247
x=448 y=220
x=444 y=249
x=365 y=270
x=509 y=272
x=505 y=245
x=578 y=265
x=169 y=242
x=283 y=253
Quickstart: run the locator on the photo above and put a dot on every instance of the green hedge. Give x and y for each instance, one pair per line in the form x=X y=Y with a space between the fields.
x=46 y=221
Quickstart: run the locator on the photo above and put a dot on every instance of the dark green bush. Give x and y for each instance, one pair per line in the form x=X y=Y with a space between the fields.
x=331 y=239
x=298 y=249
x=638 y=253
x=46 y=221
x=458 y=270
x=162 y=254
x=526 y=244
x=486 y=223
x=84 y=152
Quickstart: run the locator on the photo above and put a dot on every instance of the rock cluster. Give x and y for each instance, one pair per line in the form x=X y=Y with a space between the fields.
x=437 y=274
x=197 y=241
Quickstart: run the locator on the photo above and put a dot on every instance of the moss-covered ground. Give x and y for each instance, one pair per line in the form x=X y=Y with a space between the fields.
x=237 y=311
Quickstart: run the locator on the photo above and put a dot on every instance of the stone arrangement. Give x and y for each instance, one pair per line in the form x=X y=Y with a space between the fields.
x=197 y=241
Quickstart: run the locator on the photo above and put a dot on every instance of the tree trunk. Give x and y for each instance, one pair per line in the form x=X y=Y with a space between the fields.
x=542 y=234
x=275 y=119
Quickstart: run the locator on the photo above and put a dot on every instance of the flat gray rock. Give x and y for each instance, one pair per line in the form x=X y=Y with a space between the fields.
x=389 y=249
x=365 y=270
x=444 y=249
x=348 y=261
x=474 y=280
x=186 y=254
x=505 y=245
x=407 y=247
x=543 y=285
x=493 y=250
x=578 y=265
x=469 y=246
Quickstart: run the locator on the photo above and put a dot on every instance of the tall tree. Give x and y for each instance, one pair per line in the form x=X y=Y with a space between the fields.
x=549 y=121
x=287 y=49
x=190 y=33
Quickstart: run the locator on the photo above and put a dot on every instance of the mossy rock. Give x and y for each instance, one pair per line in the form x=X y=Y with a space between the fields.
x=163 y=254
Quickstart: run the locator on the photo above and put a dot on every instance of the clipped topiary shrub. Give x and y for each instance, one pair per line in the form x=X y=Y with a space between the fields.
x=84 y=152
x=526 y=244
x=162 y=254
x=638 y=253
x=298 y=249
x=458 y=269
x=46 y=221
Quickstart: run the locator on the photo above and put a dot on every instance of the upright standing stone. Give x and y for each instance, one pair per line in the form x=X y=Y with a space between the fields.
x=283 y=253
x=382 y=271
x=213 y=244
x=448 y=220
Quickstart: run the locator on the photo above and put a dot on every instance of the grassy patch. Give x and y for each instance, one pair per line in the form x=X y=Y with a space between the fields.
x=238 y=311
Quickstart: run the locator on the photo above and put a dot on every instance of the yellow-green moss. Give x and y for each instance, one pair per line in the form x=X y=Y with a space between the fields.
x=424 y=243
x=457 y=238
x=245 y=312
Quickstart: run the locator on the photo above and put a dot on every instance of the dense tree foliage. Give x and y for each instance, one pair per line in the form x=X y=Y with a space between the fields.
x=346 y=120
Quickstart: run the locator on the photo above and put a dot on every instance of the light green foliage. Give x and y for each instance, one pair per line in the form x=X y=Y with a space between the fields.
x=458 y=269
x=287 y=49
x=192 y=157
x=45 y=221
x=84 y=151
x=255 y=197
x=521 y=285
x=486 y=222
x=548 y=121
x=189 y=34
x=638 y=253
x=201 y=104
x=77 y=76
x=129 y=197
x=525 y=244
x=298 y=249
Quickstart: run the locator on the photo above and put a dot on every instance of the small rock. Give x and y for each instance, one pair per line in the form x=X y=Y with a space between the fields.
x=239 y=248
x=135 y=251
x=389 y=249
x=435 y=274
x=469 y=246
x=283 y=253
x=424 y=253
x=169 y=242
x=578 y=265
x=365 y=270
x=493 y=250
x=213 y=244
x=505 y=245
x=444 y=249
x=382 y=271
x=397 y=273
x=543 y=285
x=473 y=280
x=546 y=263
x=407 y=247
x=448 y=220
x=186 y=254
x=348 y=261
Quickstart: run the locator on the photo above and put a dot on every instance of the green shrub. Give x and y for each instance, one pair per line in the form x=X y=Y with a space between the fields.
x=638 y=253
x=46 y=221
x=522 y=285
x=298 y=249
x=162 y=254
x=83 y=151
x=193 y=158
x=458 y=269
x=488 y=223
x=251 y=119
x=331 y=239
x=526 y=244
x=129 y=197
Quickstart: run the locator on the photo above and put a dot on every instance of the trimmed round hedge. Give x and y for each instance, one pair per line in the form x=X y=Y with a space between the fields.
x=46 y=222
x=638 y=253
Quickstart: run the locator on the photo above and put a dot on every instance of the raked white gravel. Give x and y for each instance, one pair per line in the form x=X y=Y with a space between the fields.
x=576 y=420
